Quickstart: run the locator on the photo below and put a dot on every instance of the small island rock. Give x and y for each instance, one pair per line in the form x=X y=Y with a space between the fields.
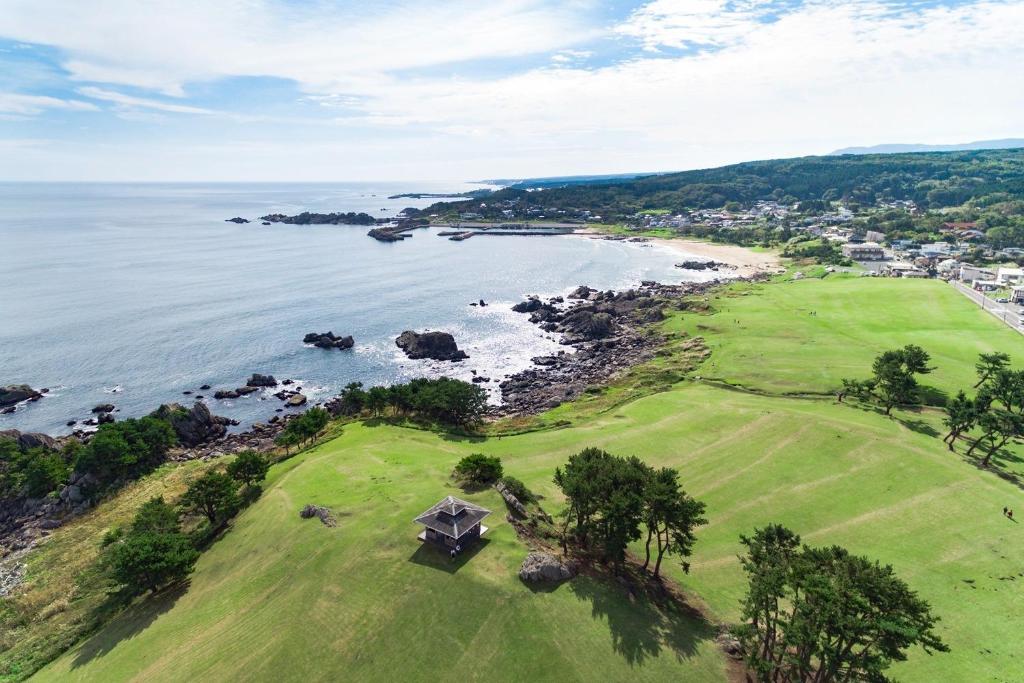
x=328 y=340
x=16 y=393
x=434 y=345
x=258 y=380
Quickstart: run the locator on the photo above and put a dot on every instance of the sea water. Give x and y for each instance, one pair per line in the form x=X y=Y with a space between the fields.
x=134 y=293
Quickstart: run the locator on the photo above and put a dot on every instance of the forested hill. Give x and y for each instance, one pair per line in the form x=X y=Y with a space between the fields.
x=932 y=180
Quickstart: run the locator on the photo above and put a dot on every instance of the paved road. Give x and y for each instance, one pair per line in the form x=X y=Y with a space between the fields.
x=1008 y=313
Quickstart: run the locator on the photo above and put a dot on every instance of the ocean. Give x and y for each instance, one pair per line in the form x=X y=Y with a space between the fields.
x=134 y=293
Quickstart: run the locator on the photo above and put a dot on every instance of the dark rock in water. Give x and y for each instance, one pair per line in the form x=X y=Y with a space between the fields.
x=328 y=340
x=8 y=410
x=205 y=387
x=226 y=393
x=193 y=426
x=286 y=382
x=266 y=222
x=296 y=400
x=104 y=418
x=258 y=380
x=435 y=345
x=71 y=423
x=104 y=408
x=482 y=303
x=237 y=219
x=582 y=292
x=187 y=393
x=529 y=306
x=699 y=265
x=16 y=393
x=244 y=391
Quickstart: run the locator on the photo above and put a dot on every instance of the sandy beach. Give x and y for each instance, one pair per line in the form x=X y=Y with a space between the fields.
x=745 y=261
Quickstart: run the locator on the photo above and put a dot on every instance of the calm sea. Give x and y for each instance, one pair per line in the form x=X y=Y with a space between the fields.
x=131 y=294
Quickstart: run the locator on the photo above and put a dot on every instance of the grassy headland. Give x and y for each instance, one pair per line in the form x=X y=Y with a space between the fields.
x=285 y=598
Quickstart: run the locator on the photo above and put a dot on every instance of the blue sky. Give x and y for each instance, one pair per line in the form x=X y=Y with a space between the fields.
x=315 y=90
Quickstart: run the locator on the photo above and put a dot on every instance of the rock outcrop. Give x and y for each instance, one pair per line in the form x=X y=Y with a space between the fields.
x=325 y=516
x=16 y=393
x=435 y=345
x=545 y=567
x=193 y=426
x=328 y=340
x=27 y=440
x=237 y=219
x=700 y=265
x=511 y=500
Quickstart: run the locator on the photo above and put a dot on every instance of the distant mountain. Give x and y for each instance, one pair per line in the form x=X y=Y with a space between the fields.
x=1008 y=143
x=561 y=181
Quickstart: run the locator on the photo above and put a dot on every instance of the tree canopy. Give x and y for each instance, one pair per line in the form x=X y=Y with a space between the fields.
x=824 y=614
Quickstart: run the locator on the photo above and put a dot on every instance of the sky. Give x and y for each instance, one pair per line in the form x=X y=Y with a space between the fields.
x=310 y=90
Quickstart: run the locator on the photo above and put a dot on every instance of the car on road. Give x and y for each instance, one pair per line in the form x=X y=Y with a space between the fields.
x=1002 y=300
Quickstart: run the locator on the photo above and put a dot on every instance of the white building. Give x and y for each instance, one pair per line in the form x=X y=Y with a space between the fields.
x=1009 y=276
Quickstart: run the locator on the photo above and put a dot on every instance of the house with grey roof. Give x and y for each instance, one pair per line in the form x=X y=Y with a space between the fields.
x=452 y=523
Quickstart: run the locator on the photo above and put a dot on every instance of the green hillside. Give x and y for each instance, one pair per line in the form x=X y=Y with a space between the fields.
x=283 y=598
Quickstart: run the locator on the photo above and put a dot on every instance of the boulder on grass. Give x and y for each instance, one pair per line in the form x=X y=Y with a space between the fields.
x=545 y=567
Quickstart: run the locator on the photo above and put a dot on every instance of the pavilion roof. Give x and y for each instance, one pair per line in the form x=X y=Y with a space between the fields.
x=452 y=516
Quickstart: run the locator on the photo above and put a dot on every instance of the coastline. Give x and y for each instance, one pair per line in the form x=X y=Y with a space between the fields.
x=745 y=261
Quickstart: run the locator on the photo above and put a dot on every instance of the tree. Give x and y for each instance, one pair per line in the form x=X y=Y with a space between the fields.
x=671 y=517
x=249 y=468
x=377 y=399
x=213 y=495
x=126 y=449
x=353 y=398
x=153 y=552
x=822 y=614
x=998 y=426
x=478 y=468
x=961 y=416
x=988 y=364
x=606 y=496
x=580 y=482
x=894 y=382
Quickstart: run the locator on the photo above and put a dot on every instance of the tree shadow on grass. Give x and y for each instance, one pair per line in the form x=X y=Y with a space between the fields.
x=641 y=623
x=918 y=425
x=135 y=619
x=437 y=557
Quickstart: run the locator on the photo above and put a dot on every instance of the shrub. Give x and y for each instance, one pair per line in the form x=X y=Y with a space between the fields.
x=479 y=469
x=152 y=553
x=249 y=468
x=518 y=489
x=213 y=495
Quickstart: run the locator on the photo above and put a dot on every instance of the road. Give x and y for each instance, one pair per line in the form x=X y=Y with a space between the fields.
x=1008 y=313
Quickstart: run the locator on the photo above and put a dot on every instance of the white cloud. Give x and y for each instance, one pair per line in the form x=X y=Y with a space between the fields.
x=763 y=82
x=131 y=102
x=164 y=44
x=27 y=105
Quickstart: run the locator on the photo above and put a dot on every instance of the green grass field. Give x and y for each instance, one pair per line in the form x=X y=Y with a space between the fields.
x=766 y=338
x=288 y=599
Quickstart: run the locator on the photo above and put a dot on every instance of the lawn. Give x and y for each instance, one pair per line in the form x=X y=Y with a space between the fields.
x=287 y=599
x=807 y=335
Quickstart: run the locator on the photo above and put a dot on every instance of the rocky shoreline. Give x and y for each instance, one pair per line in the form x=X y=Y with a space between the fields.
x=607 y=332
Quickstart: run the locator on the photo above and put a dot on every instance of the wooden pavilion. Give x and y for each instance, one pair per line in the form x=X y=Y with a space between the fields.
x=452 y=523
